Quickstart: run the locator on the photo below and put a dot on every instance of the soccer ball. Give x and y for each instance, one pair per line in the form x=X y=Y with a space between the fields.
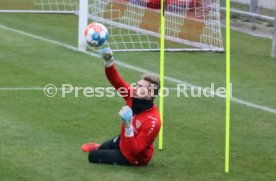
x=96 y=34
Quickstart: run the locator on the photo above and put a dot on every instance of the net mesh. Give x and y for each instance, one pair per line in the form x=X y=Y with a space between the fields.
x=135 y=24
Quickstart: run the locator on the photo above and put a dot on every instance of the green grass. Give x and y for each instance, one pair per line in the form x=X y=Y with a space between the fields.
x=40 y=137
x=18 y=4
x=70 y=5
x=246 y=8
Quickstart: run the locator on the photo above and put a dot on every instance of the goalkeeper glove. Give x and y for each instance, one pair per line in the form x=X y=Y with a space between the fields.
x=107 y=55
x=127 y=116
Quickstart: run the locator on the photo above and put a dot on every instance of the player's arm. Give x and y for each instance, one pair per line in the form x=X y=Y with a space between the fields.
x=112 y=74
x=146 y=136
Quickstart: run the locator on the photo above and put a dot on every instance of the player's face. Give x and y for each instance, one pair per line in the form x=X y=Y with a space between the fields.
x=142 y=90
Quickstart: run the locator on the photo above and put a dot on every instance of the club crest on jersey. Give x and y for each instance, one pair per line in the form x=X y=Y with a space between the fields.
x=138 y=124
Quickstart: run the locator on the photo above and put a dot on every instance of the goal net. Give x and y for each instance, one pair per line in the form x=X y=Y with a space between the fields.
x=134 y=25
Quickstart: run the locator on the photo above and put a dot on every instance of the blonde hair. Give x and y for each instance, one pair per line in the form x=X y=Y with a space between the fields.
x=153 y=80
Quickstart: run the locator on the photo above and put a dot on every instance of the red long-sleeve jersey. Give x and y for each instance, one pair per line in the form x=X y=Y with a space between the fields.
x=137 y=149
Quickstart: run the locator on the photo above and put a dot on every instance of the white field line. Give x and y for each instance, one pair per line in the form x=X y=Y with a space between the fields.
x=21 y=88
x=25 y=89
x=131 y=67
x=59 y=89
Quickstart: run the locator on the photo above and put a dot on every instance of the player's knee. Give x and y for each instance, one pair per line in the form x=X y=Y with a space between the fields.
x=92 y=157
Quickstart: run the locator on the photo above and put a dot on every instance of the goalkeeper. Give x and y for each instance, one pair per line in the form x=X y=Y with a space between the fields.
x=140 y=121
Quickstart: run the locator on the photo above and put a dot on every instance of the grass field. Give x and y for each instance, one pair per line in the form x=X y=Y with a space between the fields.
x=40 y=137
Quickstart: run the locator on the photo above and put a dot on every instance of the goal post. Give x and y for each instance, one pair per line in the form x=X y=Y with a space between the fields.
x=273 y=49
x=83 y=22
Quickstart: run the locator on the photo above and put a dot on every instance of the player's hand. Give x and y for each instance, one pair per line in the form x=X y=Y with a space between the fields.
x=107 y=55
x=126 y=116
